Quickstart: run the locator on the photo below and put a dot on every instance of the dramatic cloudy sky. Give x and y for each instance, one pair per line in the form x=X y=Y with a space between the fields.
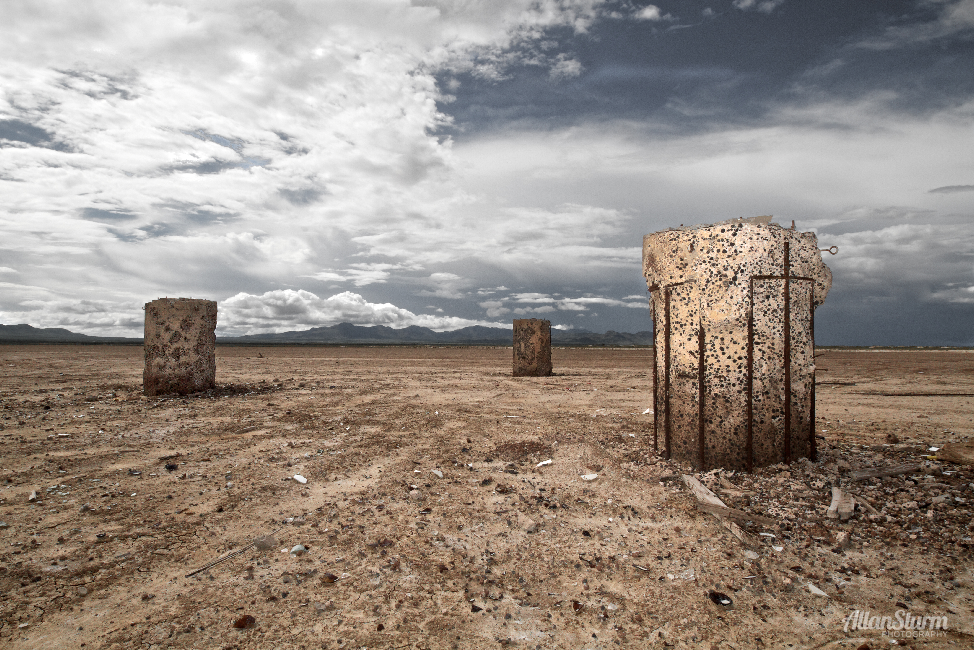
x=454 y=162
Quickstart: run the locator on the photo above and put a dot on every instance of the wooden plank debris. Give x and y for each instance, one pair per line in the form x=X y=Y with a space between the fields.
x=896 y=470
x=704 y=495
x=864 y=503
x=734 y=513
x=842 y=505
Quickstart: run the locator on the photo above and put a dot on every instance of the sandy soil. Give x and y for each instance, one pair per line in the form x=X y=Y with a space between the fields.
x=428 y=523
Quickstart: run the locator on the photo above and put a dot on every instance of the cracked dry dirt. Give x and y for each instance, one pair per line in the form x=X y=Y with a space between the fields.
x=132 y=494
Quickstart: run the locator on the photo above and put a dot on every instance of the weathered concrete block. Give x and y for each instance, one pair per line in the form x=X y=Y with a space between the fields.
x=532 y=347
x=180 y=346
x=733 y=314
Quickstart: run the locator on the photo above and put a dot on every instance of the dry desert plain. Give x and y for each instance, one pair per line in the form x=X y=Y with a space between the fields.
x=428 y=522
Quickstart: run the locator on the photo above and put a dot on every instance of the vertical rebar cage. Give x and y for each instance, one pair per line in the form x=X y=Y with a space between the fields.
x=733 y=314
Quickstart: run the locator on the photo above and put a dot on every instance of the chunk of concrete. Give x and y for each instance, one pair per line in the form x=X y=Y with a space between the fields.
x=532 y=347
x=733 y=307
x=180 y=346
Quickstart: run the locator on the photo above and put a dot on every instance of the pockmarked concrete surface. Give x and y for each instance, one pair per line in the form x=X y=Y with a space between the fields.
x=431 y=519
x=736 y=365
x=180 y=346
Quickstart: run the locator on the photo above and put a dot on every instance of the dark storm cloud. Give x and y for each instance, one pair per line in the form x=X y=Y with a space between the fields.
x=952 y=189
x=305 y=196
x=26 y=133
x=731 y=67
x=106 y=216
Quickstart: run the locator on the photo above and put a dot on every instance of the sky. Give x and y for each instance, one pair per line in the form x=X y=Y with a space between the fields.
x=446 y=163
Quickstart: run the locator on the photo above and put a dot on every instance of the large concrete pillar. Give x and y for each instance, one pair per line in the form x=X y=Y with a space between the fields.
x=733 y=315
x=180 y=346
x=532 y=347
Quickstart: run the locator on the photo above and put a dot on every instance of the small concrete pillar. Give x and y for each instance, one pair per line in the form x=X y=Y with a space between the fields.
x=532 y=347
x=180 y=346
x=734 y=336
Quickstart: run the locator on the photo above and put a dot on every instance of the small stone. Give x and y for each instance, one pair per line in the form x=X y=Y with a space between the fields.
x=33 y=496
x=531 y=527
x=86 y=507
x=229 y=484
x=82 y=591
x=300 y=479
x=245 y=622
x=589 y=477
x=751 y=555
x=843 y=539
x=329 y=578
x=3 y=525
x=416 y=495
x=265 y=543
x=437 y=473
x=298 y=549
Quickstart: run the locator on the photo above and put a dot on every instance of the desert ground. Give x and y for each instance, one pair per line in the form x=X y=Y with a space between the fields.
x=427 y=521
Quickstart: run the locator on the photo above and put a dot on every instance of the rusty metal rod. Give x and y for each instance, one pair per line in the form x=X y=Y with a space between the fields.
x=666 y=373
x=812 y=449
x=655 y=381
x=701 y=367
x=749 y=443
x=787 y=335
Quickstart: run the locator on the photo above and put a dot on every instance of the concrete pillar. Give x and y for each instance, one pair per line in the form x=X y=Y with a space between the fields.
x=532 y=347
x=180 y=346
x=734 y=340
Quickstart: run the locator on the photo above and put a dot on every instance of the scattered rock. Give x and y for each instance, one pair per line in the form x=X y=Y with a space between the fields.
x=721 y=600
x=300 y=479
x=298 y=549
x=265 y=543
x=33 y=496
x=437 y=473
x=245 y=622
x=589 y=477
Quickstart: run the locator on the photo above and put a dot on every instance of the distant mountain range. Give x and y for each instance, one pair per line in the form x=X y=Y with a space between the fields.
x=348 y=334
x=30 y=334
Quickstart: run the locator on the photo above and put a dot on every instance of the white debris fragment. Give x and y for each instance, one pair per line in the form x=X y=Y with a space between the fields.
x=816 y=591
x=33 y=496
x=543 y=463
x=300 y=479
x=437 y=473
x=648 y=412
x=589 y=477
x=934 y=449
